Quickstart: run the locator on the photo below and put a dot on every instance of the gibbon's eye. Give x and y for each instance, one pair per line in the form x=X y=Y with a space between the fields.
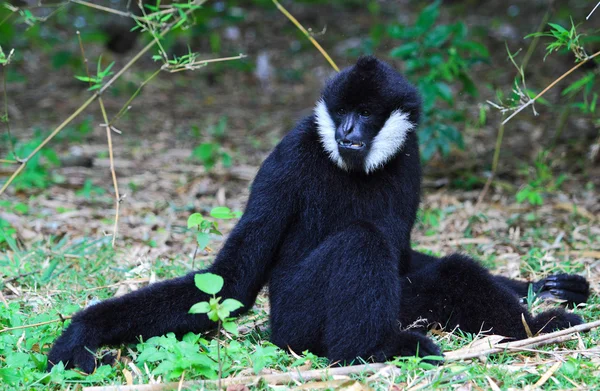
x=341 y=111
x=365 y=113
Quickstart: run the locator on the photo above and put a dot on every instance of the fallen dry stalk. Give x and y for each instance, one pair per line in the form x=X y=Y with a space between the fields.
x=544 y=339
x=319 y=374
x=282 y=378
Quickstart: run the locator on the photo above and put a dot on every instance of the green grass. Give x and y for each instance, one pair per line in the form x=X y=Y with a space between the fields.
x=58 y=277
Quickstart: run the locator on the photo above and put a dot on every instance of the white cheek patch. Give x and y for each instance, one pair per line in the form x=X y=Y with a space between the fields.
x=388 y=141
x=326 y=129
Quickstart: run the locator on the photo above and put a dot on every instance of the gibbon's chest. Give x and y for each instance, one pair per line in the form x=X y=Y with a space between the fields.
x=336 y=199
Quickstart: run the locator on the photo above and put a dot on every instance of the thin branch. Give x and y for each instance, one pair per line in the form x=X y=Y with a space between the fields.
x=307 y=34
x=197 y=64
x=8 y=161
x=26 y=326
x=532 y=101
x=112 y=170
x=105 y=9
x=590 y=14
x=109 y=139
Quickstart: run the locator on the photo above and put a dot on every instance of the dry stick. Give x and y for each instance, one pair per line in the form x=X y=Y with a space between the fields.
x=544 y=339
x=105 y=9
x=283 y=378
x=112 y=170
x=307 y=34
x=532 y=101
x=86 y=104
x=26 y=326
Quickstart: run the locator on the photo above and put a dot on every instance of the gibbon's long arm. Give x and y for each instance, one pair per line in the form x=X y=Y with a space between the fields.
x=163 y=307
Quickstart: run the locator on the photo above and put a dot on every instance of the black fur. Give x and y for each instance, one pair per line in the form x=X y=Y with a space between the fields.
x=334 y=247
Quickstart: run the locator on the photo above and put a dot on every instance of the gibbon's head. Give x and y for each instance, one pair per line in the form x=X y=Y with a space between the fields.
x=365 y=114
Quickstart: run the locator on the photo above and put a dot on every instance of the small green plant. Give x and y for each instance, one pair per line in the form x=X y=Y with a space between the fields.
x=101 y=74
x=5 y=58
x=216 y=310
x=210 y=153
x=541 y=181
x=436 y=58
x=207 y=227
x=563 y=39
x=89 y=190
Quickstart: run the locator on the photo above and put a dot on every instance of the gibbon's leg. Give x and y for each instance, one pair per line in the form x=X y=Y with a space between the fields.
x=457 y=291
x=341 y=301
x=572 y=288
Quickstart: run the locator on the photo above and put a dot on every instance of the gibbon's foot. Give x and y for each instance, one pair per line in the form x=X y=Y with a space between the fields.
x=552 y=320
x=572 y=288
x=75 y=348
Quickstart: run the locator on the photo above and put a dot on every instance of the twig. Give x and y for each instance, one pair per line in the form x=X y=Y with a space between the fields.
x=201 y=63
x=567 y=73
x=112 y=170
x=307 y=34
x=26 y=326
x=283 y=378
x=106 y=9
x=8 y=161
x=544 y=339
x=590 y=14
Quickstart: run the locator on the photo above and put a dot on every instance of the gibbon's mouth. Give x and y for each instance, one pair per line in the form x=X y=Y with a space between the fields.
x=349 y=144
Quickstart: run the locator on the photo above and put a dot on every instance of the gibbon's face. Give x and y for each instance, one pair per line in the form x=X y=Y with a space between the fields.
x=365 y=115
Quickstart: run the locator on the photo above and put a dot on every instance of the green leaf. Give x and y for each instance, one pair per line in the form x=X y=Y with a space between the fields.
x=559 y=28
x=405 y=51
x=231 y=328
x=200 y=308
x=195 y=220
x=222 y=212
x=209 y=283
x=428 y=16
x=202 y=238
x=231 y=304
x=445 y=92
